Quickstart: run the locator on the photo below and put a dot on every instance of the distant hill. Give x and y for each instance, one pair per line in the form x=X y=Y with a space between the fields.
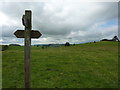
x=14 y=45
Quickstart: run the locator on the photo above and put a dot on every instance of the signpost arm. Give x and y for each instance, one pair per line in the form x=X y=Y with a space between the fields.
x=27 y=35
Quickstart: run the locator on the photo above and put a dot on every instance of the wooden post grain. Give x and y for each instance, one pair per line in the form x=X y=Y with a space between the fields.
x=27 y=35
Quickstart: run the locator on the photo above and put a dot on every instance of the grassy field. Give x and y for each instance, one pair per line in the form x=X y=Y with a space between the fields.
x=87 y=65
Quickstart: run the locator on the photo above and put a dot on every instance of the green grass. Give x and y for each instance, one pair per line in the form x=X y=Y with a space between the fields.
x=81 y=66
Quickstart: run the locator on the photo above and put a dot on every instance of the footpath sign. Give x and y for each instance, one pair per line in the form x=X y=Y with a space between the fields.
x=27 y=34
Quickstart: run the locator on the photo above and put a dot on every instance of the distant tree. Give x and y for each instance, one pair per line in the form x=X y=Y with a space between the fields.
x=73 y=44
x=4 y=47
x=42 y=47
x=67 y=44
x=104 y=40
x=115 y=38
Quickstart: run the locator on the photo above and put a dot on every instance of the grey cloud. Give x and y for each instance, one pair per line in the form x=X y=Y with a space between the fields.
x=12 y=40
x=8 y=31
x=57 y=21
x=16 y=9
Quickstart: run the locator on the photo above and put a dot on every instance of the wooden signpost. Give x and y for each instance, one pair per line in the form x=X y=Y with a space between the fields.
x=27 y=34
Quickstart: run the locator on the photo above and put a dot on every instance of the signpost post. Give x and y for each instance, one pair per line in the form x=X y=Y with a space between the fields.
x=27 y=34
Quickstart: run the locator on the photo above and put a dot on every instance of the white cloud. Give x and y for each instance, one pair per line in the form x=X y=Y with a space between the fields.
x=7 y=21
x=62 y=21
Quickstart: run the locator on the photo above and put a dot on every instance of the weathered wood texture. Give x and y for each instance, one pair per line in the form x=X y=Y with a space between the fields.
x=34 y=34
x=27 y=35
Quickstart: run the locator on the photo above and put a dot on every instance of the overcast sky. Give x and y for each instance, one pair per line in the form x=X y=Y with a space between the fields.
x=60 y=21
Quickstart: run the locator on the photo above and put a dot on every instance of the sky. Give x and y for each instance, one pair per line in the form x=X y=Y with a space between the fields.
x=60 y=21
